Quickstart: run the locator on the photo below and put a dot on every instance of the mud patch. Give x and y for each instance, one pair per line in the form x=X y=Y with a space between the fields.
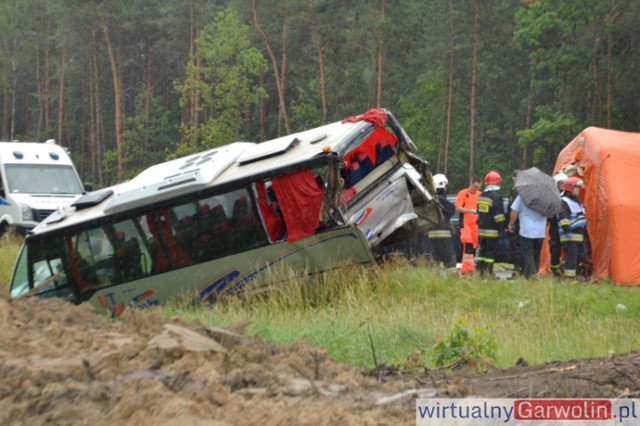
x=65 y=364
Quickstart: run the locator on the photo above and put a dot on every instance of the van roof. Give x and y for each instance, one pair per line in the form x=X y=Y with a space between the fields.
x=33 y=152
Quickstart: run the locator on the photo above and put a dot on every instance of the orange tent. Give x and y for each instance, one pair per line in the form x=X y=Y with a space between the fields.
x=610 y=160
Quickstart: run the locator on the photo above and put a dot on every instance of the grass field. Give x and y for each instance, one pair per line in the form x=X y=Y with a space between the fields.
x=401 y=311
x=405 y=310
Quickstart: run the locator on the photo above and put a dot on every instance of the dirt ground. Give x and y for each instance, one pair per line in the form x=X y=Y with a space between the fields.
x=65 y=364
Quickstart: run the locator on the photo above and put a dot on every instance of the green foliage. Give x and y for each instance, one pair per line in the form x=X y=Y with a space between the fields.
x=465 y=346
x=149 y=134
x=223 y=84
x=548 y=135
x=109 y=164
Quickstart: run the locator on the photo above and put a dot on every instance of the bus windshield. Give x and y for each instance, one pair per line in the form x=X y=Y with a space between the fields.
x=42 y=179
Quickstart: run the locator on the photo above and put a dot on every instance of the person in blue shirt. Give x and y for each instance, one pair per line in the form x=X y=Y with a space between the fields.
x=533 y=228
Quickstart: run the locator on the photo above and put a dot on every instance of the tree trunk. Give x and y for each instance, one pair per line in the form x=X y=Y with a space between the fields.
x=63 y=67
x=274 y=63
x=380 y=61
x=119 y=104
x=40 y=93
x=263 y=112
x=441 y=135
x=93 y=111
x=449 y=91
x=6 y=112
x=474 y=90
x=47 y=113
x=194 y=105
x=527 y=125
x=12 y=91
x=323 y=79
x=148 y=86
x=610 y=19
x=283 y=75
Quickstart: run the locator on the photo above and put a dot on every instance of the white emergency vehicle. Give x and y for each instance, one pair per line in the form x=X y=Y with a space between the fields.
x=35 y=180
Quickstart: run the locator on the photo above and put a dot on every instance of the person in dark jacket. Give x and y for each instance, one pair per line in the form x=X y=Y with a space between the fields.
x=491 y=222
x=555 y=247
x=441 y=237
x=572 y=226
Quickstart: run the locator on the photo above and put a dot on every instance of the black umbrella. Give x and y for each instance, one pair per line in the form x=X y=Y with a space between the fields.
x=539 y=191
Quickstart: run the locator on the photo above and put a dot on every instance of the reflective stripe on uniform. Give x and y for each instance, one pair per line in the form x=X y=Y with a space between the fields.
x=439 y=233
x=484 y=204
x=578 y=223
x=489 y=233
x=568 y=237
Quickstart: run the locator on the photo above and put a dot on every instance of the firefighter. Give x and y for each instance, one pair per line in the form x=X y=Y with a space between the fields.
x=491 y=222
x=572 y=226
x=467 y=206
x=440 y=237
x=555 y=247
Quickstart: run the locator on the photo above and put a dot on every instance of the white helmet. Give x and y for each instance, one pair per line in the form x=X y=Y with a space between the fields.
x=440 y=181
x=560 y=177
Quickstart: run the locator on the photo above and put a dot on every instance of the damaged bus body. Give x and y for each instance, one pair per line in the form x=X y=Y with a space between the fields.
x=209 y=223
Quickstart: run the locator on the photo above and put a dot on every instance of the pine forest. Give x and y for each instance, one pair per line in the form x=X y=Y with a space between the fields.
x=477 y=84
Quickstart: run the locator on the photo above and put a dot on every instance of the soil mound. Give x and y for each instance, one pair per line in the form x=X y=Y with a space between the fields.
x=66 y=364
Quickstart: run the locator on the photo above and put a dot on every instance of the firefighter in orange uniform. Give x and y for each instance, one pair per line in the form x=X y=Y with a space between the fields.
x=467 y=206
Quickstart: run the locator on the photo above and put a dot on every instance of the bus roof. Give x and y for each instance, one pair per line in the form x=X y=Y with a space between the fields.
x=217 y=166
x=291 y=149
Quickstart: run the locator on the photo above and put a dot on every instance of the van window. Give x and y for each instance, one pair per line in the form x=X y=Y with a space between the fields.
x=42 y=179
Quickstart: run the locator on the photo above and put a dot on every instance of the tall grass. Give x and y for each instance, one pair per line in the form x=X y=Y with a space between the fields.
x=406 y=310
x=9 y=246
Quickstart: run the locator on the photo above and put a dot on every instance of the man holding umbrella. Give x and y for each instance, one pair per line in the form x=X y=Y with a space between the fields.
x=538 y=199
x=533 y=227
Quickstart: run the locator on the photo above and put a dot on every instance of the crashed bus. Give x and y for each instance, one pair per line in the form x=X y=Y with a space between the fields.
x=209 y=223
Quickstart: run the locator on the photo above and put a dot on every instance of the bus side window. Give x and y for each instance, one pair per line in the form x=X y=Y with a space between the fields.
x=176 y=254
x=184 y=234
x=81 y=271
x=384 y=151
x=132 y=257
x=127 y=258
x=220 y=232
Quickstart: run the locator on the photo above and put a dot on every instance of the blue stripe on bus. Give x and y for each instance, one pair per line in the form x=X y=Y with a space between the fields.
x=223 y=283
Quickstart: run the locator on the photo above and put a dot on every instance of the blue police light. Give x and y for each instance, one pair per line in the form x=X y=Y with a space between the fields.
x=18 y=155
x=54 y=156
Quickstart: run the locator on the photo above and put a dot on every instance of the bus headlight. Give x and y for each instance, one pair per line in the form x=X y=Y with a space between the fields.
x=27 y=213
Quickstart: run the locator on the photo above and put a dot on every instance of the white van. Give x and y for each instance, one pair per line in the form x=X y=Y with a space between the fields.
x=35 y=180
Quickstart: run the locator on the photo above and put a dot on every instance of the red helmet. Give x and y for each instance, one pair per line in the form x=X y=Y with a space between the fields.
x=573 y=182
x=493 y=178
